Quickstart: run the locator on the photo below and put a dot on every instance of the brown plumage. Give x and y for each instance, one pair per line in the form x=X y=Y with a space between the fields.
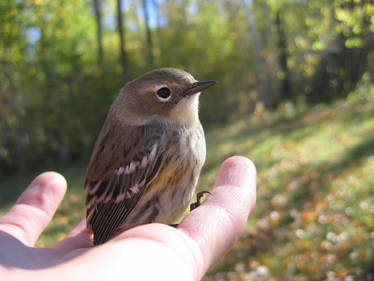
x=148 y=156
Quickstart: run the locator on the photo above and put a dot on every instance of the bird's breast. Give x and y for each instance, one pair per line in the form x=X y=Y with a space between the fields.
x=175 y=185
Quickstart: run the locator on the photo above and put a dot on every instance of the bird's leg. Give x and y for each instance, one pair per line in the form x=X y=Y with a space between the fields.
x=199 y=195
x=194 y=205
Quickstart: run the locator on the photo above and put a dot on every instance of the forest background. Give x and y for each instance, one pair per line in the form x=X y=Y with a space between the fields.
x=287 y=70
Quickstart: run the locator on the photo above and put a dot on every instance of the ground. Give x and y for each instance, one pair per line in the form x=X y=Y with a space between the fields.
x=314 y=218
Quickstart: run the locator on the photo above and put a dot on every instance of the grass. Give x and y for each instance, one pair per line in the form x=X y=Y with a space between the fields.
x=314 y=218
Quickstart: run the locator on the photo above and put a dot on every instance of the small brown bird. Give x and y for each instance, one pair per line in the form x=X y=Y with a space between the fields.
x=147 y=158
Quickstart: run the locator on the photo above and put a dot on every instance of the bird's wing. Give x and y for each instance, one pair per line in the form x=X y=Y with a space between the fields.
x=120 y=170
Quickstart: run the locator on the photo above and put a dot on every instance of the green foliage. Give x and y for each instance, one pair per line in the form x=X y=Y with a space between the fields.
x=54 y=95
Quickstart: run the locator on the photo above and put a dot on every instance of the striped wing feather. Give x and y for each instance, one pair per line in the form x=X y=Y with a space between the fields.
x=122 y=166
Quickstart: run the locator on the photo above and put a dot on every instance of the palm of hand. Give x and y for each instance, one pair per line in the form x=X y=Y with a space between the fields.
x=153 y=251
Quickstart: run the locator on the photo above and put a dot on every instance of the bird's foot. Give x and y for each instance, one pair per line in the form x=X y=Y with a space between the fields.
x=199 y=195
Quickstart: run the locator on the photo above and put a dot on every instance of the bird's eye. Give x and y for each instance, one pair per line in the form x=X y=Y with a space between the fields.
x=163 y=94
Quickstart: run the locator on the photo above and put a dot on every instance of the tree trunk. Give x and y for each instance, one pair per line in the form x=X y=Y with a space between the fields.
x=150 y=58
x=123 y=55
x=100 y=53
x=262 y=77
x=285 y=87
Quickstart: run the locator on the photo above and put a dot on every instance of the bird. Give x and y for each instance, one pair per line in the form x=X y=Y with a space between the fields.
x=148 y=155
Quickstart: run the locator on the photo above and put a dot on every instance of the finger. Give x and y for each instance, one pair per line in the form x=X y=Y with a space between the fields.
x=79 y=237
x=34 y=208
x=217 y=224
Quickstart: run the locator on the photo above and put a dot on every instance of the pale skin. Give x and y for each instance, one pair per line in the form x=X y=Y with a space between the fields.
x=148 y=252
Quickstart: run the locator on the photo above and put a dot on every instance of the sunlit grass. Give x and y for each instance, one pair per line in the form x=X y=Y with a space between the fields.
x=314 y=218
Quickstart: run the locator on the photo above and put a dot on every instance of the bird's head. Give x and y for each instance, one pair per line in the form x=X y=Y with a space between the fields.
x=168 y=93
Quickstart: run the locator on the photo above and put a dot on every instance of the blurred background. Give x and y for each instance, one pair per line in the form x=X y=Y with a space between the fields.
x=295 y=94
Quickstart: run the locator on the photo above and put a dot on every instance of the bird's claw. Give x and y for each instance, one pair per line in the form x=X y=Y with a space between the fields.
x=196 y=204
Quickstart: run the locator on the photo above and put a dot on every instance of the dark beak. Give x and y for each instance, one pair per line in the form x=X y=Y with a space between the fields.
x=198 y=87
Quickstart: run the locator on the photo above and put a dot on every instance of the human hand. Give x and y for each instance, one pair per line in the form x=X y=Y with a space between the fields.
x=148 y=252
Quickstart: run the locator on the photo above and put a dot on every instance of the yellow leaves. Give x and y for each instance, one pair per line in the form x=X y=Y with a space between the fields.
x=60 y=236
x=309 y=216
x=301 y=42
x=289 y=144
x=342 y=14
x=369 y=8
x=352 y=23
x=368 y=125
x=354 y=42
x=311 y=267
x=310 y=64
x=320 y=206
x=343 y=272
x=37 y=2
x=319 y=45
x=331 y=219
x=62 y=13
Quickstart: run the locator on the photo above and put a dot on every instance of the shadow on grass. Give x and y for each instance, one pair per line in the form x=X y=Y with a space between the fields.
x=12 y=188
x=313 y=184
x=330 y=171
